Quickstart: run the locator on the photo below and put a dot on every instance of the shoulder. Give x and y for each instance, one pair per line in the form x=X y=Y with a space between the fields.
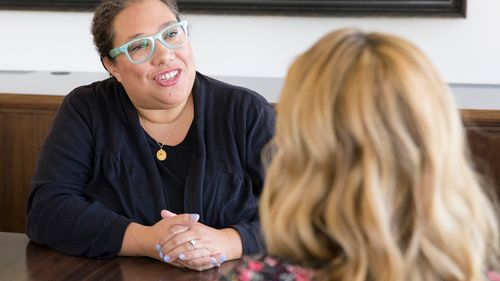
x=268 y=268
x=224 y=93
x=95 y=95
x=105 y=89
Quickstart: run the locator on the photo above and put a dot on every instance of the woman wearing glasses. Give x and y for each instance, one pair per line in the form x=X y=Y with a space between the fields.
x=156 y=136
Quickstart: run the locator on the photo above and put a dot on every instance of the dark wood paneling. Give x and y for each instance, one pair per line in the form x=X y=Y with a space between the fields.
x=24 y=123
x=483 y=131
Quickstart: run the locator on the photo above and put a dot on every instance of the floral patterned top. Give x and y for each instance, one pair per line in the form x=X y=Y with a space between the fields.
x=273 y=269
x=268 y=269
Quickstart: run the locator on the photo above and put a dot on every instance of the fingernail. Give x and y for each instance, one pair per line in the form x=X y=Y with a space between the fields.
x=222 y=259
x=195 y=217
x=158 y=247
x=166 y=258
x=182 y=256
x=162 y=255
x=213 y=262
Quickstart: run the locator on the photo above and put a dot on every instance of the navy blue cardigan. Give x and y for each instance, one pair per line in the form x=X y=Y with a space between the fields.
x=96 y=172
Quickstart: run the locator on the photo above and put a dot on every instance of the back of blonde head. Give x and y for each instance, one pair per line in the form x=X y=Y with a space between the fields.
x=370 y=177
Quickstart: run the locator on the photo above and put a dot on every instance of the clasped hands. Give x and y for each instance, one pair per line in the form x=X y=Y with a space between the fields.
x=184 y=242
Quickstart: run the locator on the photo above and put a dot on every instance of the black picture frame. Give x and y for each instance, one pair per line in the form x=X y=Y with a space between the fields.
x=422 y=8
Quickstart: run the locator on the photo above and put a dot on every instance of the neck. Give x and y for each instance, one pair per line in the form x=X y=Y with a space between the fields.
x=162 y=116
x=167 y=126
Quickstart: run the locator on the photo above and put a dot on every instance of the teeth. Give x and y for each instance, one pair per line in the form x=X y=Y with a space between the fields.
x=168 y=75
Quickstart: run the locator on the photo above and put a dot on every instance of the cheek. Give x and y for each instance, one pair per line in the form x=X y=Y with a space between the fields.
x=186 y=55
x=132 y=78
x=135 y=72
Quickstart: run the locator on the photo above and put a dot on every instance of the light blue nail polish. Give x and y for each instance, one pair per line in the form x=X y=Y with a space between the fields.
x=222 y=259
x=158 y=247
x=213 y=262
x=182 y=256
x=166 y=258
x=195 y=217
x=162 y=255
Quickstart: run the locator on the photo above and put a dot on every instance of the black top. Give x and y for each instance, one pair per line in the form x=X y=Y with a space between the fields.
x=174 y=169
x=96 y=172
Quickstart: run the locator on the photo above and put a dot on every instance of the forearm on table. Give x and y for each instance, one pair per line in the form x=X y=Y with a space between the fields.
x=136 y=242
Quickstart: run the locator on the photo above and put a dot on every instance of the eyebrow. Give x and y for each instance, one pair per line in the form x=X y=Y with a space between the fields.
x=142 y=34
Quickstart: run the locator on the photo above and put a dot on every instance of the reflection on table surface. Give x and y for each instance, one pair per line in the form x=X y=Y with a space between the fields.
x=24 y=260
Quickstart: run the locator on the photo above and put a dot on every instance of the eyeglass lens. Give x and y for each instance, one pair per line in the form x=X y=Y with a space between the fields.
x=172 y=37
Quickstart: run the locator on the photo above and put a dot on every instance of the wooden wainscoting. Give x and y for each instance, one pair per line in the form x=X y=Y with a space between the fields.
x=483 y=132
x=24 y=123
x=26 y=119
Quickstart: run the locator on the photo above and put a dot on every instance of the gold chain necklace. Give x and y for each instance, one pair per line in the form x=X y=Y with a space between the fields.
x=161 y=154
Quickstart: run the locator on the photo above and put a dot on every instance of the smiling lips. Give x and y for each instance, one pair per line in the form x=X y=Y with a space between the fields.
x=169 y=78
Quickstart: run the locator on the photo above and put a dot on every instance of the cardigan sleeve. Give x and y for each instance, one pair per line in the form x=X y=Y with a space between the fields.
x=260 y=129
x=59 y=214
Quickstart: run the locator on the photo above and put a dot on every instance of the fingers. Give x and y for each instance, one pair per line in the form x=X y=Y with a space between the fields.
x=183 y=218
x=188 y=256
x=202 y=263
x=167 y=214
x=184 y=247
x=219 y=258
x=200 y=258
x=174 y=230
x=173 y=240
x=179 y=219
x=168 y=226
x=198 y=236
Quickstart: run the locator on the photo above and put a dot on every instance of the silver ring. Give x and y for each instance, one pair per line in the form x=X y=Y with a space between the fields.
x=193 y=243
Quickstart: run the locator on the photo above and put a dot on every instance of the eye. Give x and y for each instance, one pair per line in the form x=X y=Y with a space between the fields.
x=171 y=33
x=138 y=45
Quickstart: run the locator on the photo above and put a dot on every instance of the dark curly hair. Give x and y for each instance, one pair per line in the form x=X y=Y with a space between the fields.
x=104 y=15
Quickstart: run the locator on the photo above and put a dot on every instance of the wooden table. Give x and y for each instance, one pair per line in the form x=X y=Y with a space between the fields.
x=22 y=260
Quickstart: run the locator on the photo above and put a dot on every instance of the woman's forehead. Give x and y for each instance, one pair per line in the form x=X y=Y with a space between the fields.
x=142 y=18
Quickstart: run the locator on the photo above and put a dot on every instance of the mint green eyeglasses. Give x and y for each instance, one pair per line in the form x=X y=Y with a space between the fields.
x=141 y=49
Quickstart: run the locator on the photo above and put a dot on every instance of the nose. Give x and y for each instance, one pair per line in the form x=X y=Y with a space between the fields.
x=162 y=54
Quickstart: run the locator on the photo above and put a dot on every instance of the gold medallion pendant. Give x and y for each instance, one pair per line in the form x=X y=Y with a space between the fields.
x=161 y=154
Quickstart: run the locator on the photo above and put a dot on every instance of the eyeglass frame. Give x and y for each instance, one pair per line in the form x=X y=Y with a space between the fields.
x=113 y=53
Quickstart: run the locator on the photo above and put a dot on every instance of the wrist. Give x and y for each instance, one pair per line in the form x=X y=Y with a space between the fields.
x=136 y=241
x=233 y=246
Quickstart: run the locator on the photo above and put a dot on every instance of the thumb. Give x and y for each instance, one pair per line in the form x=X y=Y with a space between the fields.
x=167 y=214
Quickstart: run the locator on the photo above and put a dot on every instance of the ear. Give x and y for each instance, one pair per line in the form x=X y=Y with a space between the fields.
x=111 y=67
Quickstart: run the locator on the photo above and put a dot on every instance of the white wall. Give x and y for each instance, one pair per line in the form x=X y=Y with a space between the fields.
x=464 y=50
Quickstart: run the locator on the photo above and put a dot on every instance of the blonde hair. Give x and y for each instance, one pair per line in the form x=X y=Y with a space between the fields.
x=370 y=177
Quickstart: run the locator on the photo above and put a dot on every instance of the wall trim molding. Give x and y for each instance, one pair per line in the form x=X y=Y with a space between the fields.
x=468 y=96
